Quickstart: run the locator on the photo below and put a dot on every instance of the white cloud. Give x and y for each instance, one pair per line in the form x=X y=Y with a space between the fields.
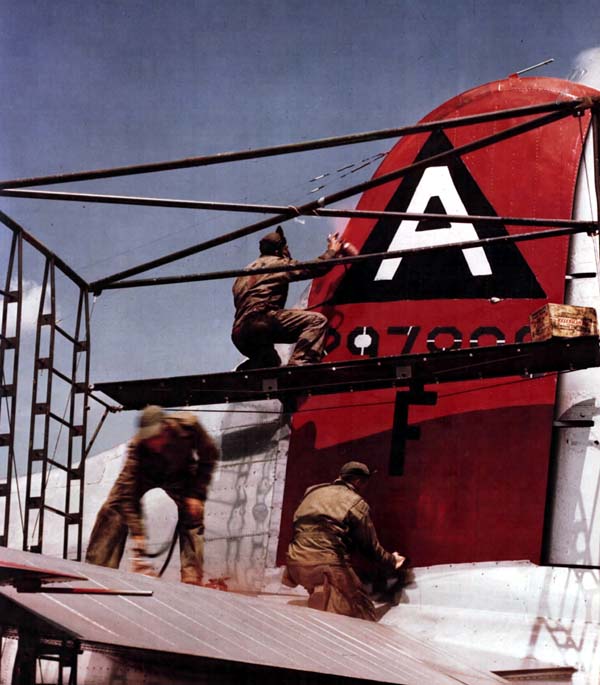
x=30 y=306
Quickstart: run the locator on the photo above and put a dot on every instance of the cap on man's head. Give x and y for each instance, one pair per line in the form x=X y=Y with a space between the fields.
x=150 y=422
x=273 y=242
x=355 y=468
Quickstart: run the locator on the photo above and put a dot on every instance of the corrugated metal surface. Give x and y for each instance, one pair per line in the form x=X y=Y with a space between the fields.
x=206 y=623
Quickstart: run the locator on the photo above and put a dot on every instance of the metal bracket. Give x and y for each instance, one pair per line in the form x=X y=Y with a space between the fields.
x=573 y=423
x=7 y=343
x=404 y=372
x=7 y=390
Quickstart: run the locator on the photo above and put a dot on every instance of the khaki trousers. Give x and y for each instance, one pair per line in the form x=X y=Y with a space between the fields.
x=256 y=336
x=108 y=537
x=336 y=589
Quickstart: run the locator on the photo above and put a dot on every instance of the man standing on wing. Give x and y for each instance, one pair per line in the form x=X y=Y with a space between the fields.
x=172 y=452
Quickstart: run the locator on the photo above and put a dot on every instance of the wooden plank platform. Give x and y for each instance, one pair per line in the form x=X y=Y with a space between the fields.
x=404 y=370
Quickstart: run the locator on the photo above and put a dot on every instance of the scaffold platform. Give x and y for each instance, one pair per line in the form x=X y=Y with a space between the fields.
x=405 y=370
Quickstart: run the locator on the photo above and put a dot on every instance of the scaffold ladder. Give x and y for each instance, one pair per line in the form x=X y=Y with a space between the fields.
x=10 y=342
x=45 y=412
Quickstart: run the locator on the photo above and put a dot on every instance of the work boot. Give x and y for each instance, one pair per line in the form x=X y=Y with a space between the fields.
x=318 y=598
x=191 y=579
x=265 y=359
x=286 y=579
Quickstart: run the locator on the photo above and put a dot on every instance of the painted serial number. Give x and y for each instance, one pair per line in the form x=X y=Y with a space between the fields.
x=365 y=341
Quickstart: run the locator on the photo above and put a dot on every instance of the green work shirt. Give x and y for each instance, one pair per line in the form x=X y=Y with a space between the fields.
x=332 y=521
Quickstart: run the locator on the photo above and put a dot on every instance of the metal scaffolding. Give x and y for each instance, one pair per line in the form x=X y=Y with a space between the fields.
x=53 y=344
x=74 y=419
x=45 y=417
x=10 y=342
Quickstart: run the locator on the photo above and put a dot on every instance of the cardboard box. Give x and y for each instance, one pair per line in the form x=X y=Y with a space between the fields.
x=562 y=321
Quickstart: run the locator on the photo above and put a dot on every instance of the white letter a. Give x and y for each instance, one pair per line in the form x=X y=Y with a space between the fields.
x=435 y=182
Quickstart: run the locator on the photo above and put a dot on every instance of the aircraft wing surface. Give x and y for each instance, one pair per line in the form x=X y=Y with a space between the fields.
x=211 y=630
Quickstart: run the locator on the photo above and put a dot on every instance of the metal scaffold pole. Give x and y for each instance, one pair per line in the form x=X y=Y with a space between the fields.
x=10 y=342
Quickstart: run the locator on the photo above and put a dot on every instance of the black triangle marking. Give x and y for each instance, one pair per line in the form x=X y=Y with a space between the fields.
x=434 y=206
x=445 y=274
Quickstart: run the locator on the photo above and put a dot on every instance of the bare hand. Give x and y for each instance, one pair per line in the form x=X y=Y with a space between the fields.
x=194 y=508
x=399 y=559
x=334 y=244
x=138 y=544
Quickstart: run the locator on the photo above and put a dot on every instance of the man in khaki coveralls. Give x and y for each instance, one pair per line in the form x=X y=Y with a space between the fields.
x=260 y=317
x=172 y=452
x=331 y=521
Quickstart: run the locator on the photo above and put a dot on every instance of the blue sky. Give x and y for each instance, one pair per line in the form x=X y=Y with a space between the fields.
x=97 y=84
